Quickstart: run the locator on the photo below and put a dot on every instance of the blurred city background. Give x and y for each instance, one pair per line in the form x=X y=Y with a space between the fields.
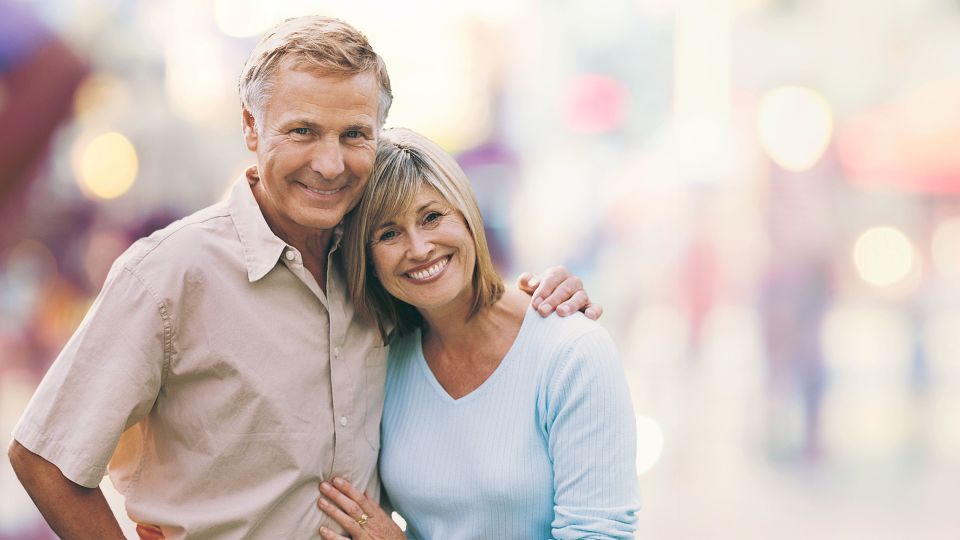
x=764 y=195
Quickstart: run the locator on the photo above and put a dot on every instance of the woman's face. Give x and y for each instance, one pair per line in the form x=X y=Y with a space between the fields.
x=425 y=256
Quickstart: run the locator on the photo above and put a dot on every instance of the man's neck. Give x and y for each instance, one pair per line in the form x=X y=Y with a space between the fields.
x=314 y=250
x=313 y=245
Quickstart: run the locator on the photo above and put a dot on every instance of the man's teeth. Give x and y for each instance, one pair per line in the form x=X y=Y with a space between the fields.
x=322 y=192
x=429 y=272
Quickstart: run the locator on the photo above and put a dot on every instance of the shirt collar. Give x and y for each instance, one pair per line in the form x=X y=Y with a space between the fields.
x=261 y=247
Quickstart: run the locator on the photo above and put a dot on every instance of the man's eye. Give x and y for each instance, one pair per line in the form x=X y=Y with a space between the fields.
x=301 y=131
x=353 y=134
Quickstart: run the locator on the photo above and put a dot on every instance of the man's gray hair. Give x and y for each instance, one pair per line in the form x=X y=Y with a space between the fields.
x=316 y=43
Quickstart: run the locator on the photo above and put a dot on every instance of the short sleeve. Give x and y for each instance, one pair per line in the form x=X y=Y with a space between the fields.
x=106 y=379
x=592 y=441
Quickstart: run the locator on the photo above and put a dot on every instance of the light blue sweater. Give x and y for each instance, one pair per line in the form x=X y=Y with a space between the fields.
x=544 y=448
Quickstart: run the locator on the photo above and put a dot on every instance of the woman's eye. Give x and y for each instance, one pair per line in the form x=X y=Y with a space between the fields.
x=432 y=216
x=387 y=235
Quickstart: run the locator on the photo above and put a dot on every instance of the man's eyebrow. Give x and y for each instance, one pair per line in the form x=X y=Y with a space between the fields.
x=359 y=127
x=301 y=122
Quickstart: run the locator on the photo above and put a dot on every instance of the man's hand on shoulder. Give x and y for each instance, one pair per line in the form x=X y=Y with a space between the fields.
x=558 y=290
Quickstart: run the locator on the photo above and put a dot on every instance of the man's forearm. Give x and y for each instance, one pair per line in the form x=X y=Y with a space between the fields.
x=71 y=510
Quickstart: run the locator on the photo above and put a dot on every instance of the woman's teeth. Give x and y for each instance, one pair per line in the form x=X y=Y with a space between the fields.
x=429 y=272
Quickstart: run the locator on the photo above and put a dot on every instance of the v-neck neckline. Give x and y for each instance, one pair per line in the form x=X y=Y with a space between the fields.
x=489 y=381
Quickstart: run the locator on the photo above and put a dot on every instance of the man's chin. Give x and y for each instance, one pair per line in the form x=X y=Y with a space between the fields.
x=323 y=223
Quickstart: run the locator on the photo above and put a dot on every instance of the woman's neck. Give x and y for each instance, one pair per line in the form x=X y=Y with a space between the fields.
x=462 y=353
x=450 y=332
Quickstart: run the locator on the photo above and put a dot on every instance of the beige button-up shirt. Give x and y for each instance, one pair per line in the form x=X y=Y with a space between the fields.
x=219 y=382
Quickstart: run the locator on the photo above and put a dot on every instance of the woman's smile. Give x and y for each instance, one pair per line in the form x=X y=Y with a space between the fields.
x=425 y=256
x=428 y=272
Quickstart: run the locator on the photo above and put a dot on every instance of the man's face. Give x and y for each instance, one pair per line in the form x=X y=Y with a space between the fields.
x=315 y=146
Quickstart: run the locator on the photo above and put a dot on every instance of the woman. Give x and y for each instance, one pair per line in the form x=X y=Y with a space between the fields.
x=497 y=423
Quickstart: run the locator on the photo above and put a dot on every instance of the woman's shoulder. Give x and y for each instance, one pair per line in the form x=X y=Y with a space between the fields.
x=557 y=333
x=579 y=364
x=562 y=347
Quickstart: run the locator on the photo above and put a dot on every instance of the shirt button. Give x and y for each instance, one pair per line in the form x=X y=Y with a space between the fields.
x=343 y=421
x=291 y=255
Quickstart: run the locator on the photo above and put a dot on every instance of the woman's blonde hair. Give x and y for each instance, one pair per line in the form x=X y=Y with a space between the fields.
x=407 y=161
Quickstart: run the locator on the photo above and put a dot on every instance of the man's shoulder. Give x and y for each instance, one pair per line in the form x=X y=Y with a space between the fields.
x=185 y=241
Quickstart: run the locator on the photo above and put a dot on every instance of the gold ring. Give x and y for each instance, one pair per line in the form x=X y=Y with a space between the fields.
x=362 y=520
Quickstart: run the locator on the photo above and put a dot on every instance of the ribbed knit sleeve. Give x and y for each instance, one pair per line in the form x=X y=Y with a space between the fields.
x=591 y=437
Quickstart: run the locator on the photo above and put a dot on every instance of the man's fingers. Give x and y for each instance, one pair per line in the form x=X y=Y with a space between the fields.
x=566 y=292
x=528 y=282
x=593 y=311
x=578 y=301
x=552 y=278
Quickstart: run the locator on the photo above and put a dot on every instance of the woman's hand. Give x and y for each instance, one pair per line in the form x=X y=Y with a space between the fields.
x=561 y=290
x=356 y=512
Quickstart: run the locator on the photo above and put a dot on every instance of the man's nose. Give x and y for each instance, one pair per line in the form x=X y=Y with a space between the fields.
x=327 y=159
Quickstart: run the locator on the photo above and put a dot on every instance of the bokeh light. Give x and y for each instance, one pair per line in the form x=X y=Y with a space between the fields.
x=649 y=444
x=910 y=144
x=106 y=166
x=445 y=101
x=795 y=126
x=98 y=95
x=883 y=256
x=945 y=248
x=866 y=350
x=29 y=265
x=596 y=104
x=198 y=84
x=31 y=258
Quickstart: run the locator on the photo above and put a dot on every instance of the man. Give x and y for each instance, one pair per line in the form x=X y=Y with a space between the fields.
x=221 y=370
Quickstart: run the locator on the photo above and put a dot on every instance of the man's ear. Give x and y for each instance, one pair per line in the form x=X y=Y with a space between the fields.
x=250 y=130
